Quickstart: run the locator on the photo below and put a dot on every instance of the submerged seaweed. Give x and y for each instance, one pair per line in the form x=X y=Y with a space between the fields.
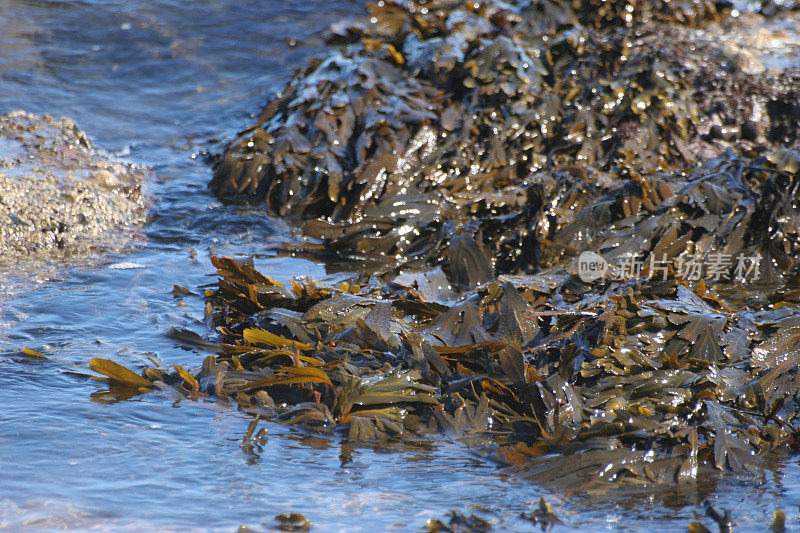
x=631 y=382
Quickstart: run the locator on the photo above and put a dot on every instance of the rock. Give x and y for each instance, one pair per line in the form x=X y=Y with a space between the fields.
x=58 y=194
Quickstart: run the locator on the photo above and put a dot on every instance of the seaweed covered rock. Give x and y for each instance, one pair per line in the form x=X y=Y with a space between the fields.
x=726 y=207
x=482 y=157
x=454 y=100
x=745 y=76
x=429 y=119
x=58 y=194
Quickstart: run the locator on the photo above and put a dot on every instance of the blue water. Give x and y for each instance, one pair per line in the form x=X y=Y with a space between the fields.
x=158 y=83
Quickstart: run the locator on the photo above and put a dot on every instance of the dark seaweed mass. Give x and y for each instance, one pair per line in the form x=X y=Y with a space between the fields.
x=468 y=152
x=433 y=119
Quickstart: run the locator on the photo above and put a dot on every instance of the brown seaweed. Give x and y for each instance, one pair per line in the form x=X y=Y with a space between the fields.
x=425 y=121
x=618 y=384
x=470 y=154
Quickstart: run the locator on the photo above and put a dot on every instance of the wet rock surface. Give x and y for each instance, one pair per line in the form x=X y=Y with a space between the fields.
x=58 y=194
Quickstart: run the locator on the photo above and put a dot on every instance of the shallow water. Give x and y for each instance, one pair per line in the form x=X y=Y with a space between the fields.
x=157 y=83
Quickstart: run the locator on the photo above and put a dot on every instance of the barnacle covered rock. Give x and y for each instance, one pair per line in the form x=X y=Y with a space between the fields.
x=58 y=194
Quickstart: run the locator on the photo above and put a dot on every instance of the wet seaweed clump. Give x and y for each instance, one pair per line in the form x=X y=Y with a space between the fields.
x=428 y=119
x=647 y=380
x=569 y=261
x=646 y=376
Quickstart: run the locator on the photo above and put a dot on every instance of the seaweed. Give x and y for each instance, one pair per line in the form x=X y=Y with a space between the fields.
x=493 y=120
x=463 y=158
x=624 y=383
